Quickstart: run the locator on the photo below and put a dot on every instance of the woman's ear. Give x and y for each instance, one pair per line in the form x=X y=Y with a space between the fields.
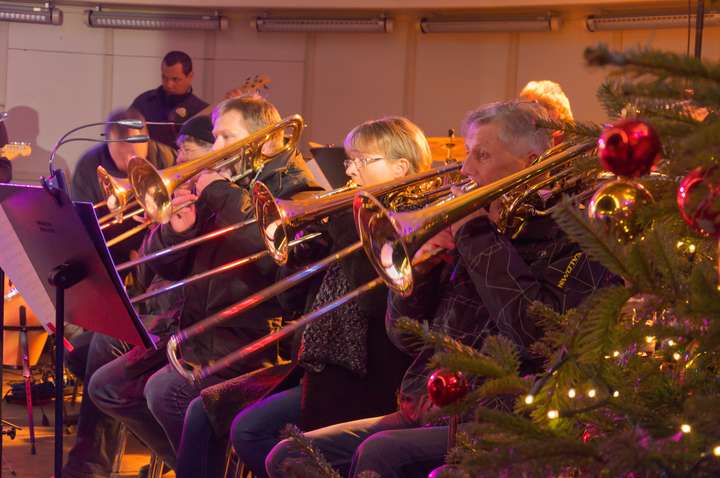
x=400 y=167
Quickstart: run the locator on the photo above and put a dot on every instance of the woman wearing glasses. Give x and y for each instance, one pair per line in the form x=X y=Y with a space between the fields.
x=349 y=368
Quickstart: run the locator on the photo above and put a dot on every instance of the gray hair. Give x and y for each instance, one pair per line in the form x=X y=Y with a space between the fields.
x=517 y=122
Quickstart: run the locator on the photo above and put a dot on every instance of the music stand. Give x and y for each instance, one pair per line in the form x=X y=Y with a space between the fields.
x=56 y=254
x=330 y=161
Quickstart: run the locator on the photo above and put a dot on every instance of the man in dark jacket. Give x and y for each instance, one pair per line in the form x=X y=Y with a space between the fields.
x=138 y=388
x=114 y=157
x=98 y=435
x=173 y=101
x=482 y=288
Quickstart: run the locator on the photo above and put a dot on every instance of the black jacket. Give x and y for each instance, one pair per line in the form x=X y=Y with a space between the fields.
x=223 y=203
x=85 y=187
x=485 y=287
x=156 y=105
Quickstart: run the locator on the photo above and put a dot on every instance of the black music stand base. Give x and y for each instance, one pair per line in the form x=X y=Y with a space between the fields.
x=62 y=277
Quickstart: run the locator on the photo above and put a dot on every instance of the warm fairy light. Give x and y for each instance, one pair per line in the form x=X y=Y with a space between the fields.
x=553 y=414
x=592 y=392
x=671 y=343
x=616 y=394
x=571 y=393
x=529 y=399
x=677 y=356
x=650 y=339
x=716 y=451
x=616 y=353
x=685 y=428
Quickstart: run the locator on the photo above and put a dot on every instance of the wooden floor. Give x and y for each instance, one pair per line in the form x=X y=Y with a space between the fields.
x=17 y=459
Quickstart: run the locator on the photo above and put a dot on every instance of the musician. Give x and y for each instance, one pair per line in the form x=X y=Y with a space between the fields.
x=114 y=157
x=550 y=96
x=349 y=368
x=173 y=101
x=138 y=388
x=97 y=439
x=482 y=287
x=5 y=164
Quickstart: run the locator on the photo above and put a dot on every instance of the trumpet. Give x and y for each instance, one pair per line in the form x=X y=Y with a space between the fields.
x=391 y=239
x=154 y=188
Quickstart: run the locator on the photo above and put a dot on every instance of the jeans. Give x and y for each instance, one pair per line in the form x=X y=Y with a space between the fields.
x=152 y=403
x=96 y=443
x=255 y=430
x=388 y=446
x=201 y=453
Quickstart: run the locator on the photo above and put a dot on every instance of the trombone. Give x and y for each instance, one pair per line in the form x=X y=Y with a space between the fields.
x=153 y=188
x=296 y=214
x=391 y=239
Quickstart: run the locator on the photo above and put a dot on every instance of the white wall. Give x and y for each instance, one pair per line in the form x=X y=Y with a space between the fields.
x=54 y=78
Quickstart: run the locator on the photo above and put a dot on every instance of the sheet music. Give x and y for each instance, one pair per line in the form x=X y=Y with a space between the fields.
x=320 y=178
x=15 y=262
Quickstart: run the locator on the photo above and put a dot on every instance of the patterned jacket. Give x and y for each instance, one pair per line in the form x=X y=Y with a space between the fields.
x=485 y=287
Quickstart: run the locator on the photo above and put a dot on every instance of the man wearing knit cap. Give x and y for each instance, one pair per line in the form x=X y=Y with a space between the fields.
x=194 y=139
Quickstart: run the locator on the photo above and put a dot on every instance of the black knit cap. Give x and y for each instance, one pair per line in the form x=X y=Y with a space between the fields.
x=199 y=127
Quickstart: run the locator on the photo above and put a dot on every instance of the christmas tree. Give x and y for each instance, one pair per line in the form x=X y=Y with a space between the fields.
x=630 y=386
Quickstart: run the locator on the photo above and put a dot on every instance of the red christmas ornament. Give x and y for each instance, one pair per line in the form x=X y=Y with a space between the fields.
x=629 y=148
x=698 y=198
x=445 y=387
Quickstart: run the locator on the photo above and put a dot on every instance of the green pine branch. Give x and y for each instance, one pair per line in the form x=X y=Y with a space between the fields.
x=598 y=246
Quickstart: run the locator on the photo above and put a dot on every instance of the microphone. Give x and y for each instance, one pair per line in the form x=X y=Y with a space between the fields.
x=141 y=138
x=129 y=123
x=3 y=116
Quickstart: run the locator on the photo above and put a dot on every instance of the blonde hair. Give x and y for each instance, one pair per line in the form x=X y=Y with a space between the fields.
x=256 y=111
x=395 y=137
x=550 y=95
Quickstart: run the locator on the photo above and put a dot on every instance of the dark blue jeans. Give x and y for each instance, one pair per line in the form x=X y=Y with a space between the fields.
x=151 y=402
x=97 y=433
x=387 y=445
x=256 y=429
x=201 y=453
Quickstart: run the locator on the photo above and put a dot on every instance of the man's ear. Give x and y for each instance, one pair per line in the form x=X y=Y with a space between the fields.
x=400 y=167
x=190 y=75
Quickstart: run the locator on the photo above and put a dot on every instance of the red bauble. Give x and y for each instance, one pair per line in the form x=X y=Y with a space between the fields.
x=629 y=148
x=698 y=198
x=445 y=387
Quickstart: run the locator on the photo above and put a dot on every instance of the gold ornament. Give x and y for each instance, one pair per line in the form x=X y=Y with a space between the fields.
x=615 y=205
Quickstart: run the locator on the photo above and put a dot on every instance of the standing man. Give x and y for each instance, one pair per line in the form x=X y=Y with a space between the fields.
x=173 y=101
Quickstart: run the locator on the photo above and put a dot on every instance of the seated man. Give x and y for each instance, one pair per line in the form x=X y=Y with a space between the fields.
x=96 y=443
x=114 y=157
x=484 y=289
x=139 y=389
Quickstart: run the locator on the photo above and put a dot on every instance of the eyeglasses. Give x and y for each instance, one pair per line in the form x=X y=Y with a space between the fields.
x=360 y=162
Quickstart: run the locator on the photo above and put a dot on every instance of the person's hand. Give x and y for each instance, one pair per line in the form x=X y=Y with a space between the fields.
x=206 y=178
x=442 y=241
x=184 y=215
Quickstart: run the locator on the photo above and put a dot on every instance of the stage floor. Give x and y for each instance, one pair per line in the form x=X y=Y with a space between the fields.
x=16 y=453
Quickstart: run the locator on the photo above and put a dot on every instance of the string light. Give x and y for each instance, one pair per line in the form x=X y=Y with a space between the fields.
x=571 y=393
x=553 y=414
x=685 y=428
x=677 y=356
x=616 y=353
x=529 y=399
x=716 y=451
x=592 y=393
x=650 y=339
x=671 y=343
x=616 y=394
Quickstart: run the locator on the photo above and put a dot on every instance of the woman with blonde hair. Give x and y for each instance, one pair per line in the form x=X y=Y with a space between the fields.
x=350 y=369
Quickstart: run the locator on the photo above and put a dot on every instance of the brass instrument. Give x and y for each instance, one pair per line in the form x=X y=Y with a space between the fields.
x=297 y=214
x=154 y=188
x=117 y=191
x=391 y=239
x=281 y=219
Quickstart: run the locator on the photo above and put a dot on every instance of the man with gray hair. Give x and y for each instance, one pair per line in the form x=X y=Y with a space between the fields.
x=482 y=286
